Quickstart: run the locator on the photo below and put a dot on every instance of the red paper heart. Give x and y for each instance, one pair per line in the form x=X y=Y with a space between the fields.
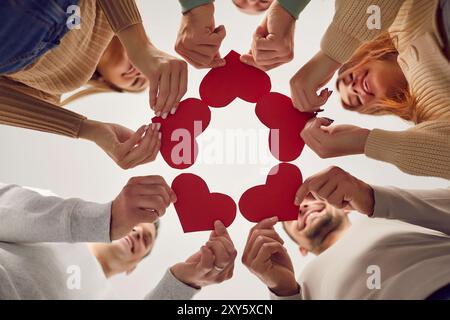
x=275 y=198
x=179 y=147
x=222 y=85
x=197 y=208
x=277 y=112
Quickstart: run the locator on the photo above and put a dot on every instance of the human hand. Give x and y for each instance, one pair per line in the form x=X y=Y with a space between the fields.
x=267 y=258
x=340 y=189
x=315 y=74
x=142 y=200
x=126 y=147
x=212 y=264
x=334 y=141
x=198 y=40
x=273 y=40
x=167 y=75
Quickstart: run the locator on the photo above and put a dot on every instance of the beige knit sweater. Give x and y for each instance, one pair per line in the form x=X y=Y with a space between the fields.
x=425 y=148
x=30 y=98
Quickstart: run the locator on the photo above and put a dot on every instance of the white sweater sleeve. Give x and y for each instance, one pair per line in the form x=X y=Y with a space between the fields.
x=426 y=208
x=170 y=288
x=26 y=216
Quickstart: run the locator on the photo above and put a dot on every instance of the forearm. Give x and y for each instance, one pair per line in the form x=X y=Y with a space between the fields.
x=25 y=111
x=27 y=216
x=422 y=150
x=426 y=208
x=349 y=28
x=170 y=288
x=121 y=14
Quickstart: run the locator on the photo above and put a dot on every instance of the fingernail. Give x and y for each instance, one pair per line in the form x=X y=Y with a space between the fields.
x=158 y=113
x=153 y=126
x=173 y=110
x=165 y=114
x=159 y=136
x=158 y=126
x=330 y=120
x=297 y=201
x=273 y=219
x=146 y=127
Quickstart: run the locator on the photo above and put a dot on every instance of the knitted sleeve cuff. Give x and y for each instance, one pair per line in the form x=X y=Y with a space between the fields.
x=121 y=13
x=187 y=5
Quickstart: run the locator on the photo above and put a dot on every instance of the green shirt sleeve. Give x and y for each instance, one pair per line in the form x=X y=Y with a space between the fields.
x=187 y=5
x=294 y=7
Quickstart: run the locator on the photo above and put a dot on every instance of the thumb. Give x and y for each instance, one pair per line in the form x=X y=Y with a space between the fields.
x=220 y=31
x=247 y=58
x=323 y=122
x=261 y=32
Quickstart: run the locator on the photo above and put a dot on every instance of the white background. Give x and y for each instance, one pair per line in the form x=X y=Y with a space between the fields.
x=75 y=168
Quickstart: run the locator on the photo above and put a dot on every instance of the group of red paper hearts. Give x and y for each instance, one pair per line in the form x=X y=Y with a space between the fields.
x=197 y=207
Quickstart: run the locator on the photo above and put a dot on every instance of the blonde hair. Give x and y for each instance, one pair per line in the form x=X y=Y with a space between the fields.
x=401 y=103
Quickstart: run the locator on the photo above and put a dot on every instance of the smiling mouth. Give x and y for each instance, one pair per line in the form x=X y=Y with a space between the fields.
x=130 y=243
x=310 y=216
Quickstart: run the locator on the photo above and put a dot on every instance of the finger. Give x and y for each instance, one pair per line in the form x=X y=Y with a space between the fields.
x=206 y=263
x=248 y=59
x=267 y=43
x=222 y=258
x=171 y=102
x=134 y=139
x=228 y=245
x=218 y=35
x=265 y=224
x=316 y=101
x=327 y=189
x=220 y=230
x=154 y=152
x=267 y=250
x=163 y=93
x=259 y=242
x=337 y=199
x=143 y=149
x=151 y=180
x=153 y=190
x=154 y=202
x=182 y=87
x=267 y=233
x=153 y=92
x=145 y=216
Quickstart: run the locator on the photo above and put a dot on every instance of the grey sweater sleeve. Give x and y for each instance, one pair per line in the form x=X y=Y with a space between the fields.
x=7 y=288
x=170 y=288
x=426 y=208
x=26 y=216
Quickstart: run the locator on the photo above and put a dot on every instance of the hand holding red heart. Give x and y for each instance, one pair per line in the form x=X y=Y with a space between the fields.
x=199 y=39
x=273 y=40
x=266 y=257
x=142 y=200
x=340 y=189
x=334 y=141
x=213 y=263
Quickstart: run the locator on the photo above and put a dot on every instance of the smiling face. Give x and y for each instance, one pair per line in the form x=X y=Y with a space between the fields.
x=317 y=227
x=116 y=69
x=253 y=6
x=374 y=81
x=125 y=254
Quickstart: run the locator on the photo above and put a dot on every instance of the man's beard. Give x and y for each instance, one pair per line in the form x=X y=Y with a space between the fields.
x=322 y=227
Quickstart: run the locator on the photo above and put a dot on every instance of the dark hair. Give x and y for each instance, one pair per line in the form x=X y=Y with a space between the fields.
x=157 y=225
